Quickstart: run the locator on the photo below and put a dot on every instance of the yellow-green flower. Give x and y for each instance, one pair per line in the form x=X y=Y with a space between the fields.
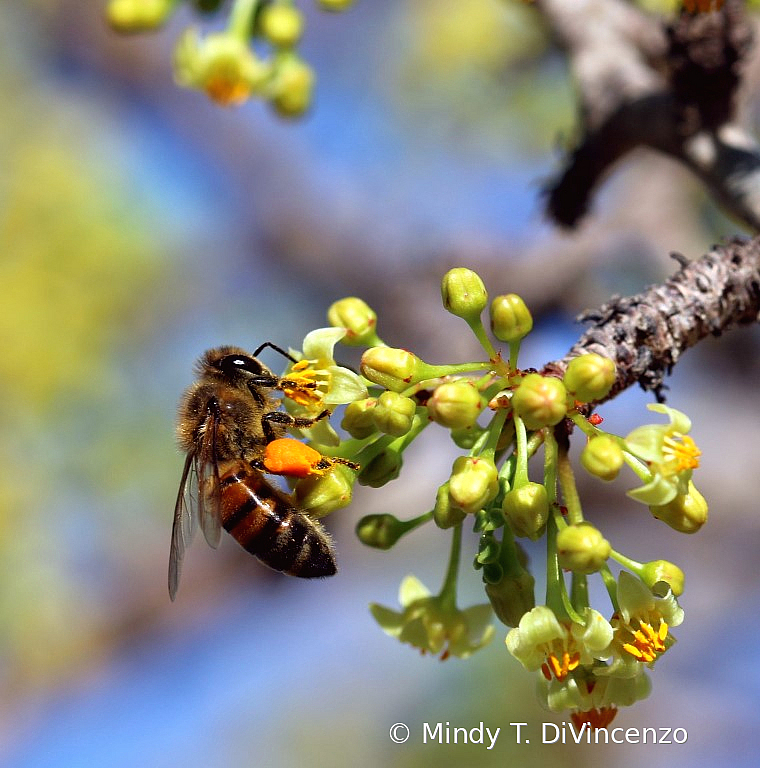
x=542 y=641
x=670 y=454
x=433 y=624
x=642 y=625
x=320 y=383
x=221 y=64
x=590 y=698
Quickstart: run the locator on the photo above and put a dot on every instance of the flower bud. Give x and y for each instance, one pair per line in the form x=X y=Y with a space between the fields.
x=380 y=531
x=466 y=437
x=473 y=483
x=321 y=494
x=687 y=512
x=582 y=548
x=663 y=572
x=358 y=419
x=510 y=318
x=602 y=457
x=512 y=597
x=281 y=24
x=488 y=549
x=392 y=368
x=445 y=514
x=393 y=413
x=540 y=401
x=138 y=15
x=589 y=377
x=359 y=320
x=291 y=87
x=463 y=293
x=455 y=404
x=381 y=469
x=527 y=509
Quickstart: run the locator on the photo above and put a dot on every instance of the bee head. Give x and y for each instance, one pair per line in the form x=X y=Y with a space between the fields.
x=231 y=364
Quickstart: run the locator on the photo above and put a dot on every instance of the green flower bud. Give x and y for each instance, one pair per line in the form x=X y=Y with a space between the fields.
x=602 y=457
x=510 y=319
x=687 y=512
x=466 y=437
x=359 y=320
x=512 y=597
x=281 y=24
x=540 y=401
x=589 y=377
x=381 y=469
x=582 y=548
x=392 y=368
x=455 y=404
x=393 y=413
x=335 y=5
x=463 y=293
x=661 y=571
x=445 y=514
x=358 y=419
x=138 y=15
x=380 y=531
x=291 y=86
x=473 y=483
x=321 y=494
x=527 y=509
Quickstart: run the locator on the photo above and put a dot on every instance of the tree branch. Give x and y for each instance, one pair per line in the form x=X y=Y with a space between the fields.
x=647 y=333
x=671 y=89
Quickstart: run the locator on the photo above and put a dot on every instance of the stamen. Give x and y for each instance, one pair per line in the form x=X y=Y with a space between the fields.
x=647 y=643
x=681 y=450
x=596 y=718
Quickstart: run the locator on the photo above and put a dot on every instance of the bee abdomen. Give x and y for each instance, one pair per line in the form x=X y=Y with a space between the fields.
x=267 y=526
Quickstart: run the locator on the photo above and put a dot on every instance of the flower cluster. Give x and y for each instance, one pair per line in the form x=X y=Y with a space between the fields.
x=591 y=661
x=255 y=55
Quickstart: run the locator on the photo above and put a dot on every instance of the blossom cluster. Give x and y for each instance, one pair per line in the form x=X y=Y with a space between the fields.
x=591 y=660
x=255 y=55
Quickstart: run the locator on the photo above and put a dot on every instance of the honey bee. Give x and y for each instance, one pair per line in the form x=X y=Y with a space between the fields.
x=226 y=420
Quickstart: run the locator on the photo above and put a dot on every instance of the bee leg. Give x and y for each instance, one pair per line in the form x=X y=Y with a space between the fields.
x=281 y=417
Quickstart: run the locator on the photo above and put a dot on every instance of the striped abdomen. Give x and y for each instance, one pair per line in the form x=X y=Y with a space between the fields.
x=265 y=522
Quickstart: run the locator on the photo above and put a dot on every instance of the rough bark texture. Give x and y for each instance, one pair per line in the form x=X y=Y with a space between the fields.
x=645 y=334
x=670 y=88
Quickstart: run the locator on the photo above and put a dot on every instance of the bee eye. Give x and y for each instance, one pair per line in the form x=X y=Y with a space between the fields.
x=231 y=364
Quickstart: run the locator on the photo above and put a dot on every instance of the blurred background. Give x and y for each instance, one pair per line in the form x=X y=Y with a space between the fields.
x=141 y=225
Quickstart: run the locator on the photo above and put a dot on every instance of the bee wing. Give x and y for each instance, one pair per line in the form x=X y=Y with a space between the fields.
x=183 y=526
x=210 y=491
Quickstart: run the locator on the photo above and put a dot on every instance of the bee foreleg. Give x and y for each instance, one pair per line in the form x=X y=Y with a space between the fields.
x=281 y=417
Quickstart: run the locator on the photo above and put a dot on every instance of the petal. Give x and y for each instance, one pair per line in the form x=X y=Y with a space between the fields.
x=679 y=421
x=478 y=618
x=412 y=589
x=318 y=344
x=659 y=490
x=389 y=621
x=646 y=442
x=345 y=386
x=596 y=634
x=634 y=597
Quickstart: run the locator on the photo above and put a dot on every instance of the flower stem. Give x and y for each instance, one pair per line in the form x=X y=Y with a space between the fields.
x=569 y=491
x=448 y=592
x=241 y=19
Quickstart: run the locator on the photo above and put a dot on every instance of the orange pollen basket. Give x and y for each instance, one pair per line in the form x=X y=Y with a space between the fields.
x=560 y=669
x=647 y=643
x=287 y=456
x=681 y=450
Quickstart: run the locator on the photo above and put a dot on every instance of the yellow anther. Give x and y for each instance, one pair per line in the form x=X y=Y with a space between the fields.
x=680 y=451
x=647 y=643
x=305 y=384
x=560 y=670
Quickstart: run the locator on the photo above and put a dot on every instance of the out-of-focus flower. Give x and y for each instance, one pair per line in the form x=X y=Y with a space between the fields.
x=221 y=64
x=433 y=623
